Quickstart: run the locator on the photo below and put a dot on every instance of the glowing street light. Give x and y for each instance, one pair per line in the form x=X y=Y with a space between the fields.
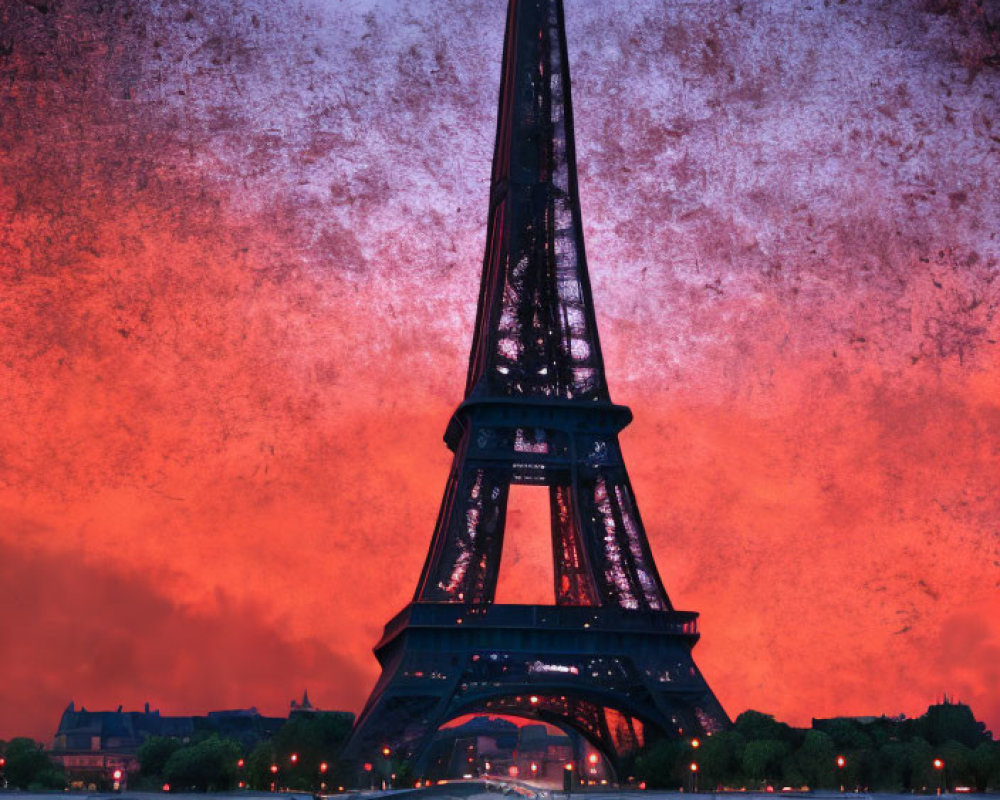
x=841 y=763
x=533 y=699
x=696 y=743
x=239 y=764
x=323 y=767
x=386 y=751
x=534 y=769
x=694 y=776
x=568 y=777
x=294 y=758
x=939 y=766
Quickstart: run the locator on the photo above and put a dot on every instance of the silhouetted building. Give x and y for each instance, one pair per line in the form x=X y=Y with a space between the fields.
x=92 y=745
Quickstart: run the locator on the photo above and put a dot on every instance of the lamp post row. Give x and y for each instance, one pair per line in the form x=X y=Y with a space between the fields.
x=840 y=761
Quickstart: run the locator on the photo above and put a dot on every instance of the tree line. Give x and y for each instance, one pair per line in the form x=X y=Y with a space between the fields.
x=945 y=748
x=302 y=755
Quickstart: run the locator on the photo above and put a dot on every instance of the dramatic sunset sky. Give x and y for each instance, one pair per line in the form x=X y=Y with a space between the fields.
x=240 y=244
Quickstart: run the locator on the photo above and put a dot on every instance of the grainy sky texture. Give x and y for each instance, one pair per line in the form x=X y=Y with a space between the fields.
x=240 y=244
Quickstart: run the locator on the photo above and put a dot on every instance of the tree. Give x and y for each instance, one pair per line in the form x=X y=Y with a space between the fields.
x=659 y=764
x=719 y=758
x=313 y=739
x=849 y=734
x=817 y=760
x=957 y=764
x=895 y=767
x=762 y=759
x=29 y=768
x=208 y=765
x=757 y=726
x=985 y=765
x=154 y=754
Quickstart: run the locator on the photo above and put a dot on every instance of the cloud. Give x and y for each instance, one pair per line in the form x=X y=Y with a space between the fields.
x=72 y=629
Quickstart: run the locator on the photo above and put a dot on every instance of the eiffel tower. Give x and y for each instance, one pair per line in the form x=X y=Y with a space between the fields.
x=611 y=658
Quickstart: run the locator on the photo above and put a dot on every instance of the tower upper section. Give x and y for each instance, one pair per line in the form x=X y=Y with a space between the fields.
x=536 y=334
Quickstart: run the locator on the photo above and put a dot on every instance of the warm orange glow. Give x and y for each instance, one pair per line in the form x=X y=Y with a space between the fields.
x=323 y=767
x=205 y=346
x=938 y=763
x=534 y=767
x=117 y=774
x=294 y=758
x=695 y=743
x=274 y=768
x=694 y=767
x=386 y=751
x=593 y=758
x=841 y=761
x=533 y=699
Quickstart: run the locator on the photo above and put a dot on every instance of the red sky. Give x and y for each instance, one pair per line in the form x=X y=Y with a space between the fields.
x=240 y=245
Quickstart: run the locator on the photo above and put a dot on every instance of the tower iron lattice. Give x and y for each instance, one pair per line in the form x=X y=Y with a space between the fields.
x=611 y=659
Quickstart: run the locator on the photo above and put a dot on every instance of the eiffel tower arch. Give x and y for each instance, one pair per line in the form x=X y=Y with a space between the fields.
x=611 y=657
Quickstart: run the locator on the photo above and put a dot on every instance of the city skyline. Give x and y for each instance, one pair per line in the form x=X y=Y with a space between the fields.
x=241 y=255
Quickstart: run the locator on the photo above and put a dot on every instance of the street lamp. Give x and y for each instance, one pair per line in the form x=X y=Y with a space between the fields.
x=695 y=743
x=939 y=766
x=274 y=774
x=694 y=776
x=568 y=777
x=841 y=763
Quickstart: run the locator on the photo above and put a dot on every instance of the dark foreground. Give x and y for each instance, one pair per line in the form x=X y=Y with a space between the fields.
x=481 y=790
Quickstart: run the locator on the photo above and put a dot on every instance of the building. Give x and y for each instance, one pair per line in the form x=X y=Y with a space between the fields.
x=100 y=748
